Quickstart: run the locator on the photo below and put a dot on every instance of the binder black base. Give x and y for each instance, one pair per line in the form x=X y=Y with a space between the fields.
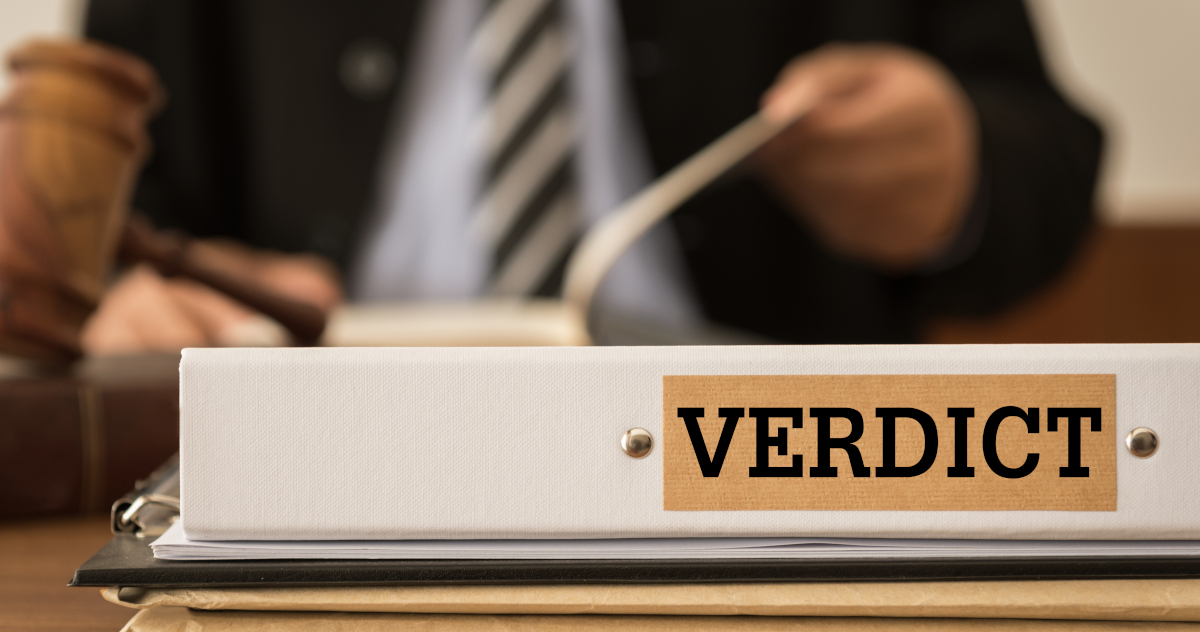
x=128 y=561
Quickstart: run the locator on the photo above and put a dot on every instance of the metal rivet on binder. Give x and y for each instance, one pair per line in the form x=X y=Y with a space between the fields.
x=637 y=443
x=1142 y=442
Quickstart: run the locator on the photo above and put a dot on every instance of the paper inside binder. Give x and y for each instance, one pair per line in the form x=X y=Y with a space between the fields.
x=174 y=546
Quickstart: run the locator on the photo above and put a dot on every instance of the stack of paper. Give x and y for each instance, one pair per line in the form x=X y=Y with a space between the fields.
x=175 y=546
x=1058 y=606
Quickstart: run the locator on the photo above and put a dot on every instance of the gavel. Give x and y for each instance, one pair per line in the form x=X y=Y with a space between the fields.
x=73 y=138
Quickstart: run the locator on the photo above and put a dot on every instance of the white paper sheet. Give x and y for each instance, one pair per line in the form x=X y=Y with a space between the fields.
x=174 y=546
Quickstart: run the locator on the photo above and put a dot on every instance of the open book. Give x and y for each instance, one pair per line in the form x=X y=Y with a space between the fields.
x=519 y=322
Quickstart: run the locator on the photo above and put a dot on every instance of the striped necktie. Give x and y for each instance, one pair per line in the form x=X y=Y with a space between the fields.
x=529 y=212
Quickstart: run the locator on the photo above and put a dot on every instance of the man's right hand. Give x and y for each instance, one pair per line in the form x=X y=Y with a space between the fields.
x=884 y=165
x=144 y=312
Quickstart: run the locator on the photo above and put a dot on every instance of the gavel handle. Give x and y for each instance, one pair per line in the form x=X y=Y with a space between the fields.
x=169 y=253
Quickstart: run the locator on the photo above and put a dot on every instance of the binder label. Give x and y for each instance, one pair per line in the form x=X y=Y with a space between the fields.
x=889 y=442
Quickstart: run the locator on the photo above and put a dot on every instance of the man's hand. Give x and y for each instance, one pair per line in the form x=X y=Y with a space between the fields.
x=884 y=165
x=145 y=312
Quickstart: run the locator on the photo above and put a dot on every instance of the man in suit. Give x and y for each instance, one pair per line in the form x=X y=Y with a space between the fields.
x=939 y=172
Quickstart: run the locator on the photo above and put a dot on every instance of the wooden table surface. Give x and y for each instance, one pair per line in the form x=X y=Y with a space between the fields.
x=1128 y=285
x=37 y=559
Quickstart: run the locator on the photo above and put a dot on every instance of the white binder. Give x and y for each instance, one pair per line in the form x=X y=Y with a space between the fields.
x=464 y=443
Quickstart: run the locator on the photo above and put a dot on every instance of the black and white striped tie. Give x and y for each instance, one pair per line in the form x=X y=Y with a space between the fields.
x=529 y=212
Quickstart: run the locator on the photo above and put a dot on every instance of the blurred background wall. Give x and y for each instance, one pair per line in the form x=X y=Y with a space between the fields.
x=1135 y=65
x=20 y=19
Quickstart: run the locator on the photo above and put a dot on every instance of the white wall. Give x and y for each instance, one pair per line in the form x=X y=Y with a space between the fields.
x=22 y=19
x=1135 y=64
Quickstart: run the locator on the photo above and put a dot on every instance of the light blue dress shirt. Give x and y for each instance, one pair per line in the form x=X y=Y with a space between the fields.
x=420 y=245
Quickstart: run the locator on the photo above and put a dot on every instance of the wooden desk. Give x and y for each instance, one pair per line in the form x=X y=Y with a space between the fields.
x=37 y=559
x=1129 y=284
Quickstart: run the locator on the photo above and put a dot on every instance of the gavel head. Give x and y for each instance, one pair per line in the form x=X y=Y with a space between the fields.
x=72 y=140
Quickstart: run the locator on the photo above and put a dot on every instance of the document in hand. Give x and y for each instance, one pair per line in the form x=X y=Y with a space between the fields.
x=509 y=322
x=951 y=442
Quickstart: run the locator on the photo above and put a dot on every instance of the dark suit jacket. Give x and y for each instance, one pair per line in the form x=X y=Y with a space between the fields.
x=262 y=142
